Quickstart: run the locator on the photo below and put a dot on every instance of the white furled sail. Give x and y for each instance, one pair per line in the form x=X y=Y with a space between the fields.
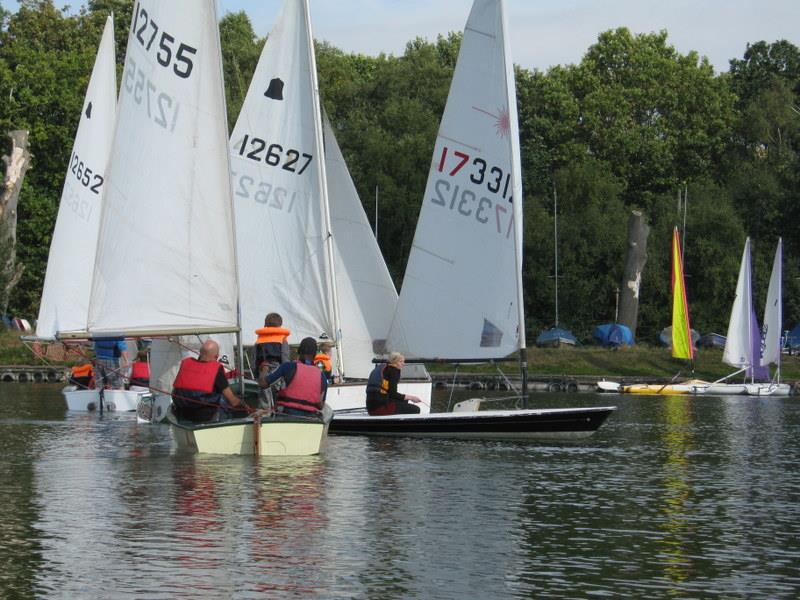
x=278 y=181
x=738 y=345
x=65 y=297
x=773 y=312
x=462 y=291
x=166 y=259
x=367 y=296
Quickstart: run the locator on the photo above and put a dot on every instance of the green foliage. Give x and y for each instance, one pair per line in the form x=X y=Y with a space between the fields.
x=241 y=49
x=621 y=130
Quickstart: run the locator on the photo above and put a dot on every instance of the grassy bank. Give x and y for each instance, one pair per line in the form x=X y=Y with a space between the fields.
x=637 y=361
x=13 y=351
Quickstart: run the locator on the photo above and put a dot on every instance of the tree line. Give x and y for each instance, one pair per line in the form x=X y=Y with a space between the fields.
x=625 y=129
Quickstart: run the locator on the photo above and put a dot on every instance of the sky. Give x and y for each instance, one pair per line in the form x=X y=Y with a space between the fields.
x=543 y=33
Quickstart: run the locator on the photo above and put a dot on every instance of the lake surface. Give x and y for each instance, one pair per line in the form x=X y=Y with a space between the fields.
x=672 y=497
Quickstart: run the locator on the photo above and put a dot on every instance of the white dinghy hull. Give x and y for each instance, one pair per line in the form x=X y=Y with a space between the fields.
x=276 y=437
x=113 y=400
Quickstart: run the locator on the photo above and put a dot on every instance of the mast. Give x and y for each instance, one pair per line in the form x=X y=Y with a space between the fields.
x=555 y=241
x=322 y=178
x=516 y=204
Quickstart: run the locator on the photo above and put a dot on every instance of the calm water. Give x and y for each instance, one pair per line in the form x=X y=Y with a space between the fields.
x=684 y=498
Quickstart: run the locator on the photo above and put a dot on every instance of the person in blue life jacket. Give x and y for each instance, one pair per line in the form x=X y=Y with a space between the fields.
x=111 y=358
x=382 y=396
x=305 y=385
x=201 y=392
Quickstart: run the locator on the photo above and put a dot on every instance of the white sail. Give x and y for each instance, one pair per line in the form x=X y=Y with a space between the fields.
x=65 y=296
x=738 y=345
x=166 y=251
x=367 y=296
x=275 y=159
x=461 y=295
x=773 y=312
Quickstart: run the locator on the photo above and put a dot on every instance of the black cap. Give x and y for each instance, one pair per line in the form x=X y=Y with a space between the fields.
x=308 y=347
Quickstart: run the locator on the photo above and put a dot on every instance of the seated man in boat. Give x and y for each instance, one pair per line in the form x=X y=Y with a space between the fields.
x=140 y=371
x=272 y=344
x=81 y=374
x=382 y=395
x=305 y=386
x=201 y=392
x=111 y=357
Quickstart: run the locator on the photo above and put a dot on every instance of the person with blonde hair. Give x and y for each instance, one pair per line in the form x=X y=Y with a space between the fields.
x=382 y=395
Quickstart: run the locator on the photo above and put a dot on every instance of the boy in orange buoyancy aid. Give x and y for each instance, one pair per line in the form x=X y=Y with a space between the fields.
x=305 y=386
x=272 y=344
x=81 y=374
x=323 y=361
x=140 y=370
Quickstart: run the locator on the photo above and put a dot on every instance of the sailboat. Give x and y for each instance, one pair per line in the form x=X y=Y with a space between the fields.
x=743 y=342
x=681 y=331
x=64 y=304
x=462 y=293
x=166 y=253
x=770 y=350
x=305 y=247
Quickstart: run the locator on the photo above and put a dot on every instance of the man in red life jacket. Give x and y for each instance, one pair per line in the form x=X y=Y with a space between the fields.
x=305 y=389
x=201 y=390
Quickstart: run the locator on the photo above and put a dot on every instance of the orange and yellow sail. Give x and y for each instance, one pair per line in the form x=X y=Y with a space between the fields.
x=681 y=329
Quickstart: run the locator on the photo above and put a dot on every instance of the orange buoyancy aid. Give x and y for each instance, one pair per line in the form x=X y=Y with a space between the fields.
x=196 y=375
x=268 y=335
x=81 y=370
x=140 y=370
x=269 y=344
x=304 y=391
x=323 y=361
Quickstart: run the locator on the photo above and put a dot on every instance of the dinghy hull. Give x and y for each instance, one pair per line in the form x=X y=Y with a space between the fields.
x=557 y=423
x=113 y=400
x=277 y=436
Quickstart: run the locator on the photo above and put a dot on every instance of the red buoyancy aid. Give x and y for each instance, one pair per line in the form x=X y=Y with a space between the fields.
x=140 y=370
x=304 y=391
x=196 y=375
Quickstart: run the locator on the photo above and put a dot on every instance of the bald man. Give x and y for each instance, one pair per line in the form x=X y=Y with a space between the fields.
x=201 y=391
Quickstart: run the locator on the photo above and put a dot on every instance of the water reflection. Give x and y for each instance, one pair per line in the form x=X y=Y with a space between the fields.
x=678 y=444
x=672 y=497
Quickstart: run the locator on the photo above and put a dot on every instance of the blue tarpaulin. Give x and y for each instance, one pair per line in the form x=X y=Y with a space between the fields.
x=555 y=337
x=613 y=334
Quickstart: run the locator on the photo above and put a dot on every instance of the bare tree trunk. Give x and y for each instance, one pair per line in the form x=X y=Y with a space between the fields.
x=17 y=162
x=638 y=231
